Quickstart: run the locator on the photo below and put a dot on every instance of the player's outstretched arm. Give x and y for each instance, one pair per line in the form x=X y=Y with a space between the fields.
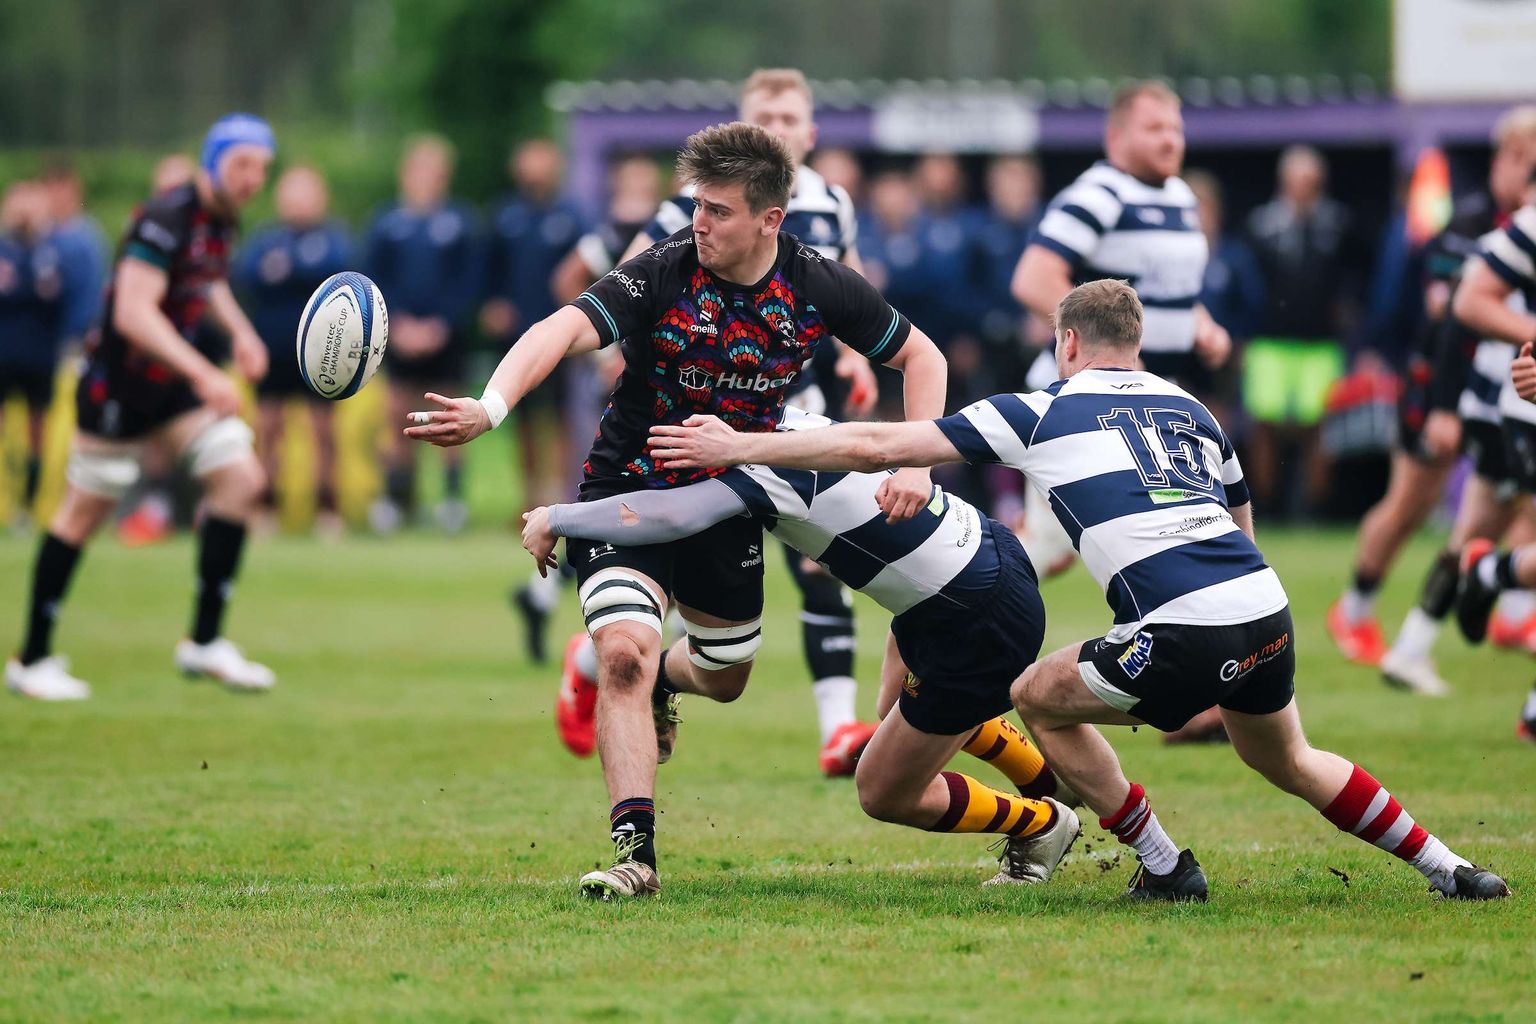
x=565 y=332
x=1480 y=305
x=643 y=517
x=1242 y=515
x=705 y=441
x=245 y=344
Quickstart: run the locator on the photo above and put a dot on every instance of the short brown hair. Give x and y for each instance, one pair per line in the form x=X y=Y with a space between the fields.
x=741 y=154
x=1103 y=313
x=1126 y=96
x=776 y=80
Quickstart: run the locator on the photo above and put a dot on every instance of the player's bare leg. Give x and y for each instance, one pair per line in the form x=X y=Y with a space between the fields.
x=901 y=780
x=218 y=452
x=1347 y=795
x=1060 y=710
x=1413 y=490
x=323 y=424
x=269 y=445
x=389 y=511
x=1409 y=664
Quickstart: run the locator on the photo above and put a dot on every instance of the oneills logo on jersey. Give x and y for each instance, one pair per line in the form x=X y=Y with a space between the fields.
x=1137 y=656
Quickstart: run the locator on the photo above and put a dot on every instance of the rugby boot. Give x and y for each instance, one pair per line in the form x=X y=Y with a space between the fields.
x=840 y=754
x=1031 y=860
x=1185 y=883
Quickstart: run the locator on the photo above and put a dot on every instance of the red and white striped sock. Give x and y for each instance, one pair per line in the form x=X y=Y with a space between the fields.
x=1363 y=808
x=1136 y=826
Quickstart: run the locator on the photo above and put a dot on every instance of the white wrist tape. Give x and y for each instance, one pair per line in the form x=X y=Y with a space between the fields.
x=494 y=405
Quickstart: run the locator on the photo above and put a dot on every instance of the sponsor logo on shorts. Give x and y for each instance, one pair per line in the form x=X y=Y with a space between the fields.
x=1137 y=656
x=910 y=685
x=756 y=556
x=599 y=551
x=1235 y=668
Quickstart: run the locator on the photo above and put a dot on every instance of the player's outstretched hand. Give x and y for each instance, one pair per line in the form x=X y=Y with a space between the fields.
x=1523 y=371
x=250 y=356
x=699 y=442
x=215 y=390
x=904 y=494
x=459 y=421
x=538 y=540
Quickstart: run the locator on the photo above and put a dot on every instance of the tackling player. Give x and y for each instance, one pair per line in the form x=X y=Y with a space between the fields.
x=822 y=217
x=1149 y=488
x=145 y=384
x=968 y=620
x=719 y=318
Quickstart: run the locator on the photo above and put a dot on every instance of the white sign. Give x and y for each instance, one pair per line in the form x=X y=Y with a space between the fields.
x=958 y=122
x=1465 y=49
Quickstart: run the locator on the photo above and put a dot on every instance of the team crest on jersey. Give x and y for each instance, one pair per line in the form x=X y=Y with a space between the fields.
x=1137 y=656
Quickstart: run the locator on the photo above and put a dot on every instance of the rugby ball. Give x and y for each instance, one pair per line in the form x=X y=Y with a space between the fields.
x=342 y=335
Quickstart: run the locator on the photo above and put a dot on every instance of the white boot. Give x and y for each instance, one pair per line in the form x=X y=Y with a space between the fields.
x=46 y=679
x=221 y=660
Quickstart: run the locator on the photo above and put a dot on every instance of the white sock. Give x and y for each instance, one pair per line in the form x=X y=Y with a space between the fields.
x=544 y=591
x=1517 y=605
x=835 y=699
x=1487 y=570
x=1417 y=636
x=1137 y=827
x=586 y=659
x=1356 y=605
x=1436 y=862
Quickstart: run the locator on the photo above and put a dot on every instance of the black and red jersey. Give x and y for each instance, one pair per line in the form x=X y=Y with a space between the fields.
x=175 y=232
x=694 y=343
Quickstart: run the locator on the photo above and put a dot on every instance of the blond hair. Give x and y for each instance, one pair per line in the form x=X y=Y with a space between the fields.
x=1126 y=96
x=776 y=80
x=1103 y=313
x=742 y=154
x=1516 y=127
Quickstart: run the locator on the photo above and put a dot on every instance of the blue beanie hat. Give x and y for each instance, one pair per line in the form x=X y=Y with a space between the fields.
x=234 y=130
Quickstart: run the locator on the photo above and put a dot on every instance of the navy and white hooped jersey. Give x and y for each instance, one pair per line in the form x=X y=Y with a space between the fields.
x=1141 y=477
x=1110 y=224
x=1479 y=399
x=945 y=553
x=1511 y=254
x=819 y=214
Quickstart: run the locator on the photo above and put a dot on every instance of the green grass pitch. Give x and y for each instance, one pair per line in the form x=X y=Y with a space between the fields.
x=395 y=832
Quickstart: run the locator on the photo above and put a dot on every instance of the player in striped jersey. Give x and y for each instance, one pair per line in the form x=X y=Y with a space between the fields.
x=822 y=217
x=1506 y=267
x=968 y=620
x=1147 y=484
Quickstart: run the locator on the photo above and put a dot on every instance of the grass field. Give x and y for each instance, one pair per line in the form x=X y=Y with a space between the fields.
x=395 y=833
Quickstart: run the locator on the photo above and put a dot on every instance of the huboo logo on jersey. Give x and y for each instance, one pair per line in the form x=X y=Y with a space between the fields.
x=1137 y=656
x=697 y=378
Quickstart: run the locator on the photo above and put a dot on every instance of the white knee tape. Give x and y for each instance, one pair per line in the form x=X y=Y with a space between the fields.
x=218 y=444
x=108 y=474
x=713 y=648
x=617 y=595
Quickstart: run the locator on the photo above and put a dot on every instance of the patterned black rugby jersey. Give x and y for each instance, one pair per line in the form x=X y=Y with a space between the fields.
x=694 y=343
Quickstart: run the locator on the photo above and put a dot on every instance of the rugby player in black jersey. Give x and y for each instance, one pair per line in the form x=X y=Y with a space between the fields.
x=145 y=384
x=718 y=318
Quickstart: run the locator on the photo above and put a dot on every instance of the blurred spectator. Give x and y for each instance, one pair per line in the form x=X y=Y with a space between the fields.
x=278 y=270
x=993 y=250
x=34 y=300
x=82 y=250
x=842 y=170
x=529 y=235
x=423 y=253
x=634 y=190
x=1233 y=289
x=891 y=246
x=1310 y=260
x=947 y=226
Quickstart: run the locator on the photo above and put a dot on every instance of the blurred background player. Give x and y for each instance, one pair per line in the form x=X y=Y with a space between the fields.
x=146 y=384
x=276 y=273
x=837 y=381
x=422 y=252
x=1233 y=289
x=528 y=237
x=1313 y=266
x=34 y=300
x=634 y=189
x=82 y=249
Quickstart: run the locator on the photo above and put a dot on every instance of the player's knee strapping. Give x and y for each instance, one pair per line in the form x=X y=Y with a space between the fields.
x=713 y=648
x=222 y=442
x=618 y=595
x=108 y=474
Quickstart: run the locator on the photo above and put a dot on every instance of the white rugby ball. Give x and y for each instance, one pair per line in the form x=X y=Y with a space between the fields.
x=342 y=335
